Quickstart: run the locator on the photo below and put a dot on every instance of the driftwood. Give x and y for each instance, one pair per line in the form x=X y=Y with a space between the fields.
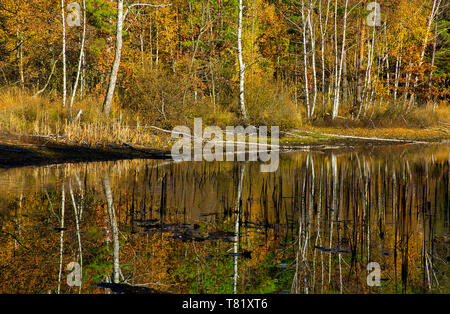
x=362 y=138
x=216 y=141
x=293 y=135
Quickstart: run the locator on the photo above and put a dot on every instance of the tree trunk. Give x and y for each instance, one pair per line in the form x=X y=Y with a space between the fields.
x=115 y=67
x=63 y=16
x=80 y=60
x=335 y=71
x=338 y=85
x=241 y=64
x=20 y=58
x=305 y=61
x=433 y=56
x=313 y=55
x=359 y=84
x=345 y=89
x=367 y=79
x=434 y=11
x=323 y=30
x=398 y=64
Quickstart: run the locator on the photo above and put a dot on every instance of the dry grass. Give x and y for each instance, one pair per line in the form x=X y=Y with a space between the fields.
x=389 y=115
x=24 y=114
x=431 y=134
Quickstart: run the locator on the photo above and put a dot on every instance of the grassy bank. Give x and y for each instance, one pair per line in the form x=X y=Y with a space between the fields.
x=46 y=127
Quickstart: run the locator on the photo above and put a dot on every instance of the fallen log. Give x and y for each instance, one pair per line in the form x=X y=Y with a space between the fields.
x=362 y=137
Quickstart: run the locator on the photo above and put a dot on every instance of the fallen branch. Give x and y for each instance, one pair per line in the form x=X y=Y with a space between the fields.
x=362 y=138
x=78 y=115
x=202 y=139
x=48 y=81
x=294 y=135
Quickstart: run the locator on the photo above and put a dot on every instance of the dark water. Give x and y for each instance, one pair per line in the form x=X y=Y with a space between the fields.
x=148 y=226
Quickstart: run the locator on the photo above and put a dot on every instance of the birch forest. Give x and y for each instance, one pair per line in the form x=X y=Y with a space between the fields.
x=275 y=62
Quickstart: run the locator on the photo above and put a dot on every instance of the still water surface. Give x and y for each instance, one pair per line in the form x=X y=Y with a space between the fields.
x=146 y=226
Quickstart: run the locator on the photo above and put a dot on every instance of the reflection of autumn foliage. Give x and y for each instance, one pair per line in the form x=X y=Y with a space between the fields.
x=28 y=255
x=302 y=231
x=149 y=260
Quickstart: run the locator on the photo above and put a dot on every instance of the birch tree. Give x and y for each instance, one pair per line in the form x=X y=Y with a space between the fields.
x=241 y=63
x=305 y=59
x=338 y=83
x=63 y=17
x=323 y=30
x=116 y=63
x=80 y=60
x=121 y=16
x=313 y=56
x=433 y=13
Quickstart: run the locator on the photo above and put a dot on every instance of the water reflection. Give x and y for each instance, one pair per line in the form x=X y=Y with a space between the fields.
x=156 y=226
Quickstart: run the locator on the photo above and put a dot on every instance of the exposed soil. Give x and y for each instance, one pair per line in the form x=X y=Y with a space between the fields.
x=18 y=151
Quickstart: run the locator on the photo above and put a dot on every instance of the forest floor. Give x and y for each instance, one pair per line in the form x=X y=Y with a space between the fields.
x=26 y=150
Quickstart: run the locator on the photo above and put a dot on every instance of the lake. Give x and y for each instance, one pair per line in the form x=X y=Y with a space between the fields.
x=365 y=219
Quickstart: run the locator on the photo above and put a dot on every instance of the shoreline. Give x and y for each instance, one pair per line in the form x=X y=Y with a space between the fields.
x=14 y=155
x=33 y=150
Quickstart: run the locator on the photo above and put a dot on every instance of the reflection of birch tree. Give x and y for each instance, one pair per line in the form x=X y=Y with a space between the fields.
x=18 y=222
x=61 y=239
x=81 y=196
x=310 y=195
x=304 y=228
x=333 y=208
x=319 y=217
x=338 y=220
x=114 y=228
x=295 y=285
x=77 y=226
x=237 y=227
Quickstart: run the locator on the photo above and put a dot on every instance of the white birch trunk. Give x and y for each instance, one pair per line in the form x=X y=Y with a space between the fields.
x=323 y=30
x=313 y=55
x=305 y=62
x=336 y=66
x=434 y=11
x=80 y=60
x=241 y=64
x=116 y=63
x=63 y=16
x=338 y=84
x=20 y=58
x=368 y=78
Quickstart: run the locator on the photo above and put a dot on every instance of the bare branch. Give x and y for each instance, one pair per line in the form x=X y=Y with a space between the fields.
x=129 y=7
